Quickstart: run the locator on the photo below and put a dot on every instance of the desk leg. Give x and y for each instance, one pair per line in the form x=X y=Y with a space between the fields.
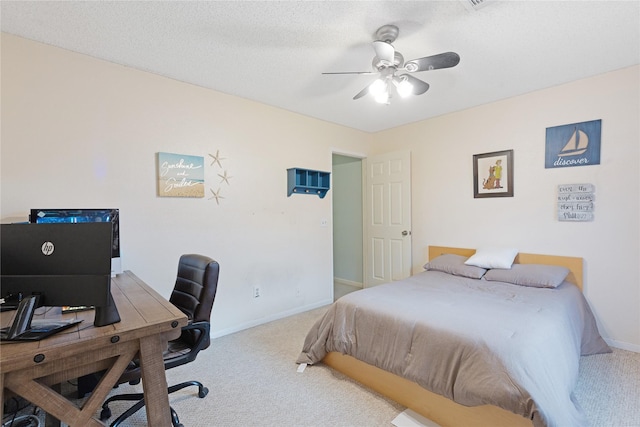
x=1 y=396
x=154 y=381
x=50 y=420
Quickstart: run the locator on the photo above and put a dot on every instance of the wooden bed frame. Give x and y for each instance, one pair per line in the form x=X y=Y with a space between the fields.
x=439 y=409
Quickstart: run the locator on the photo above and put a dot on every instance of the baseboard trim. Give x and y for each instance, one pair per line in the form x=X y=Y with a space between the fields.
x=623 y=345
x=263 y=320
x=348 y=282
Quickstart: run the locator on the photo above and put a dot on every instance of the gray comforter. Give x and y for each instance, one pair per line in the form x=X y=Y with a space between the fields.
x=473 y=341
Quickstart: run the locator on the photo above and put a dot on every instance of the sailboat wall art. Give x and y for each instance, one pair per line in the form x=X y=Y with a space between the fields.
x=576 y=144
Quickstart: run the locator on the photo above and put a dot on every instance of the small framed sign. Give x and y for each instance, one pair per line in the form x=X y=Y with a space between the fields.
x=493 y=174
x=576 y=202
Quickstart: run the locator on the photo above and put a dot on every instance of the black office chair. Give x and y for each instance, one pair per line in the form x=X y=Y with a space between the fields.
x=194 y=293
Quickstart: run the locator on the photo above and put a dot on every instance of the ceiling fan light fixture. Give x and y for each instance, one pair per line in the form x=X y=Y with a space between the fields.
x=382 y=98
x=380 y=91
x=403 y=86
x=378 y=87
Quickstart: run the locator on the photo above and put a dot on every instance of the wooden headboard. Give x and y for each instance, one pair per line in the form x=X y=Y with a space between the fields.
x=574 y=264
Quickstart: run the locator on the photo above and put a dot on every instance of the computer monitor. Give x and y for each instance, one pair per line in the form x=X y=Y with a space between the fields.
x=62 y=264
x=75 y=216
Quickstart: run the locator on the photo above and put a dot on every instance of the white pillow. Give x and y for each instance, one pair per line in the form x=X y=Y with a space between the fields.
x=492 y=257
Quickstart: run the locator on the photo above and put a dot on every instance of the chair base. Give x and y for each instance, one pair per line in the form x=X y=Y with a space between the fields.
x=105 y=414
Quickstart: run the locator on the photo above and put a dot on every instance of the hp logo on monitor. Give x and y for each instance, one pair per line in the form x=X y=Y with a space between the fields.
x=47 y=248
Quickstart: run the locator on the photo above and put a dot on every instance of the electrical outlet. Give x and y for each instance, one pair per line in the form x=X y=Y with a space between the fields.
x=256 y=292
x=324 y=222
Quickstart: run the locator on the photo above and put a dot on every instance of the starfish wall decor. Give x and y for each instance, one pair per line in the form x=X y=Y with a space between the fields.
x=224 y=175
x=216 y=195
x=216 y=158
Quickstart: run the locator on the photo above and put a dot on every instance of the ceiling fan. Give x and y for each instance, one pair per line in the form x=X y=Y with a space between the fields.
x=392 y=70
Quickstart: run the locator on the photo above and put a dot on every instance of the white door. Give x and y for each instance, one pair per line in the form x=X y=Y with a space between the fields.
x=387 y=218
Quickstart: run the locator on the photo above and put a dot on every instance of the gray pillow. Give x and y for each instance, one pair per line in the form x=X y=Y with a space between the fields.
x=454 y=264
x=534 y=275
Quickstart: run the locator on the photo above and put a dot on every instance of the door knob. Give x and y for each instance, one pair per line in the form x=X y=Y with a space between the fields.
x=406 y=233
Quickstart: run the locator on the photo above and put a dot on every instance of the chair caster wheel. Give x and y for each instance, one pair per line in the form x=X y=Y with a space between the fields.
x=203 y=393
x=105 y=414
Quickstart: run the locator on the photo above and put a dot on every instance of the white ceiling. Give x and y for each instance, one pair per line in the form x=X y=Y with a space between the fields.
x=274 y=52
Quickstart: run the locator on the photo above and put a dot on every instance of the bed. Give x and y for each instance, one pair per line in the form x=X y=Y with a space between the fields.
x=467 y=351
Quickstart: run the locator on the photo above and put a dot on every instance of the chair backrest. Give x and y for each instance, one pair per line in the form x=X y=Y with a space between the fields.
x=195 y=289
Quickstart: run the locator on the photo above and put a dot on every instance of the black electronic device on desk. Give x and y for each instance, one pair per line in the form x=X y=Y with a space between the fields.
x=76 y=216
x=10 y=301
x=24 y=328
x=57 y=265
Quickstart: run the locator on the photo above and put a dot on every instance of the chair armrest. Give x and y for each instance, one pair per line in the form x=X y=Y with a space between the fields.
x=201 y=343
x=205 y=335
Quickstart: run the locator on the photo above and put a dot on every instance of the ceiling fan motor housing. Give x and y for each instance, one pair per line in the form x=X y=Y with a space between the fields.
x=379 y=64
x=387 y=33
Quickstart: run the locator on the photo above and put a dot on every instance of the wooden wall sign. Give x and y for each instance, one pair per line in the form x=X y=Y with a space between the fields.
x=576 y=144
x=576 y=202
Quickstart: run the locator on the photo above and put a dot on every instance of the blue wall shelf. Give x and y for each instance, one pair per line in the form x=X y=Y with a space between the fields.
x=307 y=181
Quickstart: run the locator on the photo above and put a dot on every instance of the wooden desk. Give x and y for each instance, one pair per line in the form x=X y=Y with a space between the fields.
x=148 y=321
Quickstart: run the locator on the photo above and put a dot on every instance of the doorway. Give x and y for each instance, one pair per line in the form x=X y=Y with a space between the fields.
x=347 y=188
x=379 y=197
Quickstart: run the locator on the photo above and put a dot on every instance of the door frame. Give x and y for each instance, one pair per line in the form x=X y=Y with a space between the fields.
x=363 y=158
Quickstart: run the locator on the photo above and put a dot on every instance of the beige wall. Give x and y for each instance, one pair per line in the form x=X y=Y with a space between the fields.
x=445 y=212
x=78 y=132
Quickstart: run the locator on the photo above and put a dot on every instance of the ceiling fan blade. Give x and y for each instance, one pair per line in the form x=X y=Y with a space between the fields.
x=419 y=86
x=434 y=62
x=362 y=93
x=352 y=72
x=384 y=51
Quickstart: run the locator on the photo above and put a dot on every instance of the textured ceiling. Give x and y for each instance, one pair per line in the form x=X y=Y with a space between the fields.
x=274 y=52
